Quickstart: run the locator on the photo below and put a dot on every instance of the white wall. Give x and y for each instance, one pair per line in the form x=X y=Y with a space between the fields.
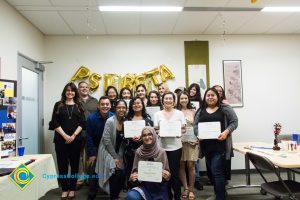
x=269 y=65
x=17 y=35
x=270 y=73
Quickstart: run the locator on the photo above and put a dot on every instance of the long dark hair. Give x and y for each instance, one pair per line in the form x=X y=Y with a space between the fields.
x=223 y=92
x=76 y=98
x=130 y=113
x=189 y=105
x=197 y=96
x=158 y=99
x=125 y=88
x=115 y=89
x=118 y=102
x=204 y=104
x=141 y=85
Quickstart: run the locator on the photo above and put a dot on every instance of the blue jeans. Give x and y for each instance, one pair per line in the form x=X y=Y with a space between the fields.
x=215 y=162
x=133 y=195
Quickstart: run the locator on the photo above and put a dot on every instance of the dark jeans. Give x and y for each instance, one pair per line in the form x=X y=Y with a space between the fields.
x=116 y=182
x=215 y=162
x=93 y=180
x=133 y=195
x=68 y=154
x=174 y=183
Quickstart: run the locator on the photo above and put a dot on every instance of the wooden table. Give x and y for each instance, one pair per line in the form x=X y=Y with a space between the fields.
x=282 y=159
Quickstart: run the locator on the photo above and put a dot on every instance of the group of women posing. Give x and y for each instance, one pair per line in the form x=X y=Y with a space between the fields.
x=118 y=156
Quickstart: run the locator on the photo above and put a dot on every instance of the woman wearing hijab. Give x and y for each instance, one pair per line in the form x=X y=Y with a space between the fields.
x=149 y=151
x=136 y=112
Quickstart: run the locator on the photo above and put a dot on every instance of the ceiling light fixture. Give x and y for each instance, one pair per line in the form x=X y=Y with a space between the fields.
x=281 y=9
x=140 y=8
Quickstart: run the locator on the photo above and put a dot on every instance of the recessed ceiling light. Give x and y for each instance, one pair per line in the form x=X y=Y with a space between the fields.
x=140 y=8
x=281 y=9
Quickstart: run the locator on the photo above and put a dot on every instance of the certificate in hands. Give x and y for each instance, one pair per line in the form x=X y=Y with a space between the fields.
x=170 y=128
x=133 y=128
x=189 y=135
x=209 y=130
x=150 y=171
x=152 y=110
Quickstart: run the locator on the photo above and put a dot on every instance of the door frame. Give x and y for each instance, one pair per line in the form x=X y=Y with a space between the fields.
x=39 y=69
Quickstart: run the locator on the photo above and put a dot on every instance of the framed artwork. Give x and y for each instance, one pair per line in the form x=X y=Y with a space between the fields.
x=198 y=74
x=232 y=76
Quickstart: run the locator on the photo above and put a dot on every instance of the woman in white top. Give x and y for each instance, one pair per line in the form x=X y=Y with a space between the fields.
x=172 y=145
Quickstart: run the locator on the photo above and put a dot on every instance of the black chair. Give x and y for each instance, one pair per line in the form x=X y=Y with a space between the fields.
x=281 y=188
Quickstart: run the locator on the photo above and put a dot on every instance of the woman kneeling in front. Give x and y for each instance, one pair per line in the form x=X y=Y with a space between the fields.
x=149 y=151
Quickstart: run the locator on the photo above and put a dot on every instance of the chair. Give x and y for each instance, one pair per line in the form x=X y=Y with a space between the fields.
x=279 y=189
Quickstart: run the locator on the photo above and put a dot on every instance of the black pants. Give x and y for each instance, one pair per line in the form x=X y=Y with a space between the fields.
x=68 y=154
x=116 y=182
x=174 y=183
x=93 y=180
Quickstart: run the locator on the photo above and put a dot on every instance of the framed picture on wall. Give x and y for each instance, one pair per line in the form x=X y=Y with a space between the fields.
x=232 y=76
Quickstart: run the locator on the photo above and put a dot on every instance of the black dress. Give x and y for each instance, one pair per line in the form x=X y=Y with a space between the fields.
x=69 y=118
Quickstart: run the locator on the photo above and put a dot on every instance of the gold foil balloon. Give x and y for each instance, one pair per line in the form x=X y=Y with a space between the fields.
x=139 y=79
x=112 y=79
x=148 y=84
x=165 y=73
x=128 y=81
x=82 y=72
x=94 y=81
x=152 y=74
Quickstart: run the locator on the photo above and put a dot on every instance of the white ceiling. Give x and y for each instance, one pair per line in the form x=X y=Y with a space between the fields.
x=81 y=17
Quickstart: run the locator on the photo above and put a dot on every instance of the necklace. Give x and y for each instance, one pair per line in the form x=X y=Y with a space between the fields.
x=70 y=115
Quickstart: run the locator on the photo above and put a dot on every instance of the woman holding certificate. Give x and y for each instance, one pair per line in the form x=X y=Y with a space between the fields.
x=170 y=124
x=145 y=187
x=109 y=166
x=190 y=146
x=195 y=95
x=154 y=99
x=136 y=112
x=214 y=123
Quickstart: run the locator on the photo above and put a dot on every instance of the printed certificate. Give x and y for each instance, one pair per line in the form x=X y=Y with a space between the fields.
x=133 y=128
x=150 y=171
x=152 y=110
x=170 y=128
x=209 y=130
x=189 y=135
